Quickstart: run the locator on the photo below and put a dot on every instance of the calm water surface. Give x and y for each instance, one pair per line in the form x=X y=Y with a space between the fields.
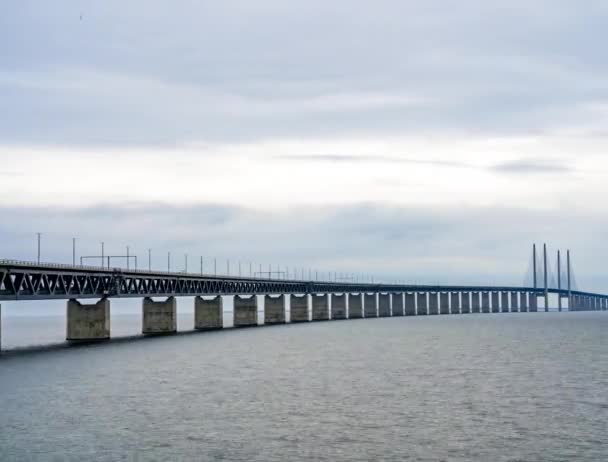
x=509 y=387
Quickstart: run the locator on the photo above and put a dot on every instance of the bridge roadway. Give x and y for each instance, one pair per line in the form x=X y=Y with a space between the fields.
x=32 y=281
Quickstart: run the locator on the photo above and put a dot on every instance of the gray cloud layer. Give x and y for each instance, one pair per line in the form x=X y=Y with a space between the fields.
x=160 y=73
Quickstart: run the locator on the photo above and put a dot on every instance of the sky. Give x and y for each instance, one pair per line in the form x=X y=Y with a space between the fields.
x=428 y=142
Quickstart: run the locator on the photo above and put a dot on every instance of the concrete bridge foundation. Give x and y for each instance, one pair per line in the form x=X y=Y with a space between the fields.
x=485 y=302
x=159 y=317
x=355 y=306
x=370 y=305
x=384 y=305
x=88 y=322
x=422 y=307
x=524 y=302
x=514 y=303
x=320 y=307
x=465 y=302
x=208 y=314
x=444 y=303
x=245 y=312
x=455 y=303
x=504 y=302
x=410 y=304
x=338 y=306
x=475 y=306
x=495 y=302
x=397 y=304
x=433 y=303
x=299 y=308
x=274 y=309
x=533 y=302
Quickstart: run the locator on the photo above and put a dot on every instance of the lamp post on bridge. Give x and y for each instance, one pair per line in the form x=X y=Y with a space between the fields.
x=38 y=252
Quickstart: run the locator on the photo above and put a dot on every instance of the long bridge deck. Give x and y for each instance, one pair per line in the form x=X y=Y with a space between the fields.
x=32 y=281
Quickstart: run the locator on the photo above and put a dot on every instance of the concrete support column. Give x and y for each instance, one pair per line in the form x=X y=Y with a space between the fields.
x=159 y=317
x=465 y=302
x=245 y=312
x=475 y=306
x=533 y=302
x=514 y=302
x=87 y=323
x=433 y=303
x=355 y=306
x=410 y=304
x=338 y=306
x=299 y=308
x=495 y=302
x=208 y=314
x=422 y=306
x=384 y=305
x=504 y=302
x=485 y=302
x=524 y=302
x=274 y=309
x=320 y=307
x=444 y=303
x=397 y=303
x=455 y=303
x=370 y=305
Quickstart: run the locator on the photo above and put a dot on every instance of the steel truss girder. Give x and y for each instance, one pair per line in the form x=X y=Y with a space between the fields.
x=45 y=282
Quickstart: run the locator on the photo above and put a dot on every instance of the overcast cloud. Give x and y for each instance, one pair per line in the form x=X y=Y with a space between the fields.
x=423 y=141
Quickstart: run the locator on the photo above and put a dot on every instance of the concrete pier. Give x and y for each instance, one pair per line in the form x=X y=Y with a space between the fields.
x=245 y=312
x=397 y=303
x=504 y=302
x=485 y=302
x=355 y=306
x=524 y=302
x=422 y=307
x=208 y=314
x=338 y=306
x=495 y=302
x=444 y=303
x=455 y=303
x=514 y=303
x=533 y=302
x=299 y=308
x=433 y=303
x=465 y=302
x=475 y=305
x=159 y=317
x=384 y=305
x=88 y=322
x=274 y=309
x=370 y=305
x=410 y=304
x=320 y=307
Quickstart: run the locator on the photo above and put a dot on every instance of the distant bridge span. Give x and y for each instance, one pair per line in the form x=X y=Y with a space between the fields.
x=34 y=281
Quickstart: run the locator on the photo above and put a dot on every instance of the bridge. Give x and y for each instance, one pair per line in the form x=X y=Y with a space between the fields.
x=309 y=300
